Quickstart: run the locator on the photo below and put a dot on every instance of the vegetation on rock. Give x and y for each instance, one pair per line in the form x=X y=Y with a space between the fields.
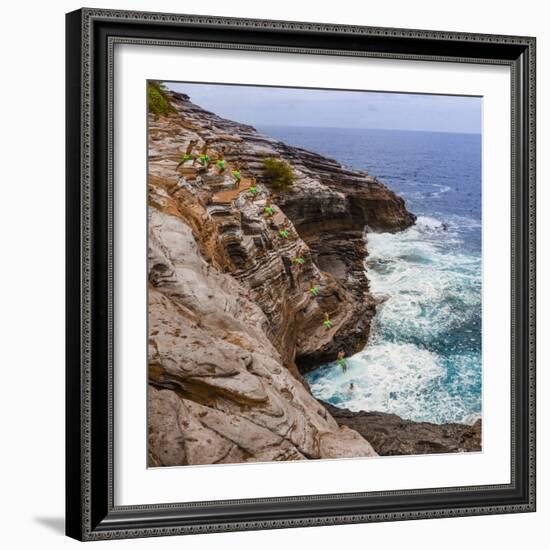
x=278 y=174
x=228 y=342
x=157 y=100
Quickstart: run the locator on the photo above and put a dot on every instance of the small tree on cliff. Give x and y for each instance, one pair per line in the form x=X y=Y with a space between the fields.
x=157 y=100
x=278 y=174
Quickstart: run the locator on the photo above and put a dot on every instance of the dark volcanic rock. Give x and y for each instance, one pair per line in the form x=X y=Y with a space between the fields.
x=391 y=435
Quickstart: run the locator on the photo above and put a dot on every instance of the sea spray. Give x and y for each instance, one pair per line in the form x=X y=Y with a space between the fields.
x=423 y=357
x=422 y=361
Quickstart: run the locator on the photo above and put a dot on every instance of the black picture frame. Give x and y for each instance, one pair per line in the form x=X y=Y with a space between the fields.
x=90 y=510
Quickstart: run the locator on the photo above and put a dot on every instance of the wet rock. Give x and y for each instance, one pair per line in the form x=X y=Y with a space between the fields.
x=391 y=435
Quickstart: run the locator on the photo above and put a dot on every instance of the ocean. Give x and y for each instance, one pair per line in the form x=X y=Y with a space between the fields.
x=423 y=358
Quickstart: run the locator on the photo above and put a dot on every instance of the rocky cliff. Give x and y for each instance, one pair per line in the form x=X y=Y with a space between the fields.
x=232 y=319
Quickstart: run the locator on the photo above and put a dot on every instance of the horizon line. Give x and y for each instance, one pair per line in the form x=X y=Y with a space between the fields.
x=361 y=128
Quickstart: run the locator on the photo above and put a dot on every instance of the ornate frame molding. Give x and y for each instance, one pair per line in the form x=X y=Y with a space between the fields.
x=91 y=37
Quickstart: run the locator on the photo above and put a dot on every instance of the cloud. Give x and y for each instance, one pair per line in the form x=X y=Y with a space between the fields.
x=264 y=106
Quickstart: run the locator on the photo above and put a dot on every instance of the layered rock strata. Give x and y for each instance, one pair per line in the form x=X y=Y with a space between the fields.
x=232 y=322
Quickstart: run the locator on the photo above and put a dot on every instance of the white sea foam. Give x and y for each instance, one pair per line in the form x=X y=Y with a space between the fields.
x=429 y=286
x=422 y=361
x=397 y=378
x=441 y=190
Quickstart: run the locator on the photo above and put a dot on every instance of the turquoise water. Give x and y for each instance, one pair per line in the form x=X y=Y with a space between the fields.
x=423 y=358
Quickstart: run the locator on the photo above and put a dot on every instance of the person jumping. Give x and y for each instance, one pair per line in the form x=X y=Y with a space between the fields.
x=342 y=361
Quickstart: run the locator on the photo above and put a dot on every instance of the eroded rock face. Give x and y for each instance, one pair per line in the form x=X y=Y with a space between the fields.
x=231 y=318
x=219 y=391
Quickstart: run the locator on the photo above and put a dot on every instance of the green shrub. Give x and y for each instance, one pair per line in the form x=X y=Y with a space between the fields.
x=279 y=174
x=157 y=100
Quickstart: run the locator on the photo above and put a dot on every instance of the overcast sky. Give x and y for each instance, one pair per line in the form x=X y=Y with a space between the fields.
x=264 y=106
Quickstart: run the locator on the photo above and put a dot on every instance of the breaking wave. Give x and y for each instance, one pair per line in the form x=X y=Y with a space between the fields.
x=423 y=357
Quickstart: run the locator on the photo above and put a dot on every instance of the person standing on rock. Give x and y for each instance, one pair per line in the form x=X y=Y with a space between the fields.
x=298 y=261
x=253 y=190
x=268 y=210
x=283 y=233
x=327 y=323
x=188 y=153
x=220 y=162
x=204 y=159
x=314 y=289
x=236 y=173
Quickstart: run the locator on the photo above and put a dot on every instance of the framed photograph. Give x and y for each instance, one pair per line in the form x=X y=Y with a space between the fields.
x=300 y=274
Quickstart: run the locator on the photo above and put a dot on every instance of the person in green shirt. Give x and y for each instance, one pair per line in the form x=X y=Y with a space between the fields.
x=188 y=153
x=327 y=323
x=314 y=289
x=268 y=210
x=220 y=162
x=342 y=361
x=204 y=159
x=297 y=260
x=236 y=176
x=284 y=230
